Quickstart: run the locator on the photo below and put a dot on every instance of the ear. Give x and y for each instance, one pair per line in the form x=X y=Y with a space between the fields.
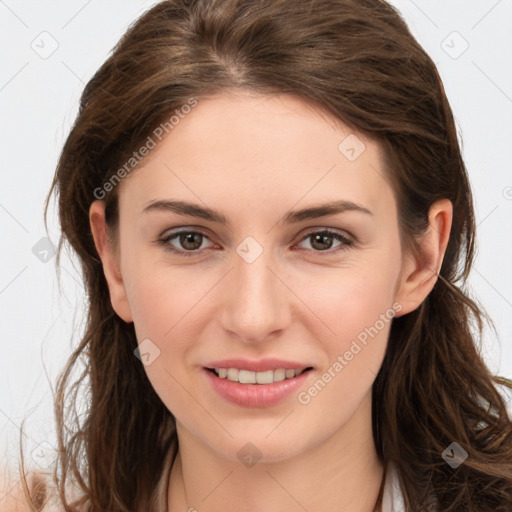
x=420 y=272
x=109 y=256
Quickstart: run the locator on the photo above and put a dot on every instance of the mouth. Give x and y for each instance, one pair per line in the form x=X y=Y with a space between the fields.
x=257 y=389
x=242 y=376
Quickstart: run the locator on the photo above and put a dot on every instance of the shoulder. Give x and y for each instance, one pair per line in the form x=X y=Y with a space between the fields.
x=14 y=499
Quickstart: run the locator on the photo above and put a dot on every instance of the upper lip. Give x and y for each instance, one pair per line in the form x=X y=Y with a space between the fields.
x=260 y=365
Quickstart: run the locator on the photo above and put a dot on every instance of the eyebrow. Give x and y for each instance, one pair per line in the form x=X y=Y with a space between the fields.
x=205 y=213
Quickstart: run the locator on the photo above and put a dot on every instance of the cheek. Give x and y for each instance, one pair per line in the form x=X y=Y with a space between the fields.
x=358 y=314
x=161 y=299
x=153 y=308
x=355 y=313
x=351 y=299
x=162 y=308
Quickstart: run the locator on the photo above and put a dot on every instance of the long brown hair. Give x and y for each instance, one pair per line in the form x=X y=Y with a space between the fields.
x=357 y=60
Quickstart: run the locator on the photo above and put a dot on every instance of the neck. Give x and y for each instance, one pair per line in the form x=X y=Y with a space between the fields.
x=342 y=473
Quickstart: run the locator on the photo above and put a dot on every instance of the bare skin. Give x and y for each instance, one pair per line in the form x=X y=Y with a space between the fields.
x=254 y=159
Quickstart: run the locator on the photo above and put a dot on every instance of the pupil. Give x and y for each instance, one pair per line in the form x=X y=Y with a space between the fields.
x=323 y=237
x=189 y=238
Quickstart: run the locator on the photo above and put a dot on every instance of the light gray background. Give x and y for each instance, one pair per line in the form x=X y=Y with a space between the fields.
x=39 y=99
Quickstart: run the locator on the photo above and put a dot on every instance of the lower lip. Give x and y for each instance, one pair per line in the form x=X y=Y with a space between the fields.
x=256 y=395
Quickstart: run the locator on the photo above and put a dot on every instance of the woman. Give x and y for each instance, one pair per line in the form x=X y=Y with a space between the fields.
x=275 y=225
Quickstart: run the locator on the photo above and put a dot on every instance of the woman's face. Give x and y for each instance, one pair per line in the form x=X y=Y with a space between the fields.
x=257 y=281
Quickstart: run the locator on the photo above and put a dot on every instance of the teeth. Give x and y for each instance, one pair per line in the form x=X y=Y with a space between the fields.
x=279 y=374
x=264 y=377
x=222 y=372
x=248 y=377
x=233 y=374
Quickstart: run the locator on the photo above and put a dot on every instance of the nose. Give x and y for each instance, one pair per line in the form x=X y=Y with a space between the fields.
x=256 y=300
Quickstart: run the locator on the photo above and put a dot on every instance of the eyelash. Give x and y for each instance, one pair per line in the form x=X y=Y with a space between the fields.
x=346 y=242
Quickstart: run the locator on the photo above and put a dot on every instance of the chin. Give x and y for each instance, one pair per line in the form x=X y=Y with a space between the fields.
x=250 y=446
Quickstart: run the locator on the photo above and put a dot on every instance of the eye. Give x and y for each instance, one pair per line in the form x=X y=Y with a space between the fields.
x=321 y=241
x=190 y=242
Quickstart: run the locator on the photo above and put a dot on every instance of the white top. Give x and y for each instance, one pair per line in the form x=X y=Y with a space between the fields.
x=392 y=499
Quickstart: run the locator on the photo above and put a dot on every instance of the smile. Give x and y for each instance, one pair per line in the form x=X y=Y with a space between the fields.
x=249 y=377
x=262 y=389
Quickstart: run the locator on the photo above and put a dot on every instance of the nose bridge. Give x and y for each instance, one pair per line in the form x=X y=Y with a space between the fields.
x=255 y=306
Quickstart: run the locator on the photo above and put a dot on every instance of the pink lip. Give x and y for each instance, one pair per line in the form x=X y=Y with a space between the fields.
x=255 y=395
x=257 y=366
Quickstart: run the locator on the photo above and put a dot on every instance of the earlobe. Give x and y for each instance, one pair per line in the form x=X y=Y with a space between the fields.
x=110 y=261
x=421 y=271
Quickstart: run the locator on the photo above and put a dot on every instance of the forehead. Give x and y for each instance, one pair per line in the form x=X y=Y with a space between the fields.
x=255 y=148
